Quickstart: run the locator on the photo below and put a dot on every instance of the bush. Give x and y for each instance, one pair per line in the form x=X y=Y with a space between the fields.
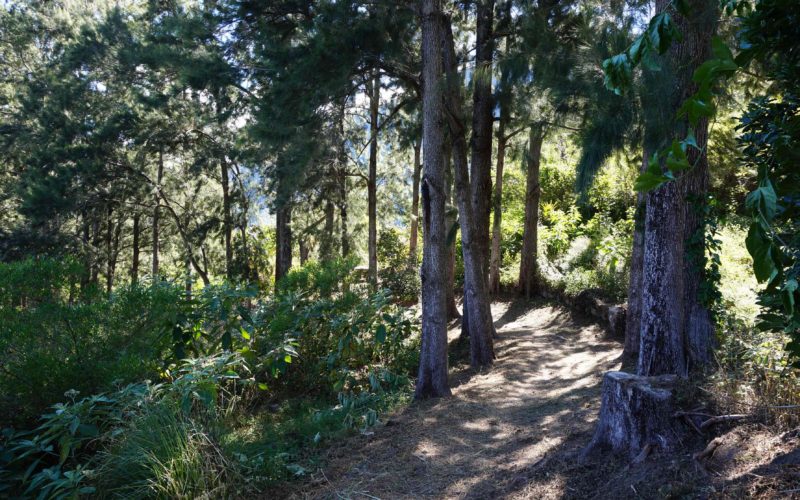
x=394 y=271
x=338 y=327
x=53 y=340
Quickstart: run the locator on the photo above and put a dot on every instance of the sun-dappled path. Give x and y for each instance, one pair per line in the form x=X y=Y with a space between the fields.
x=540 y=399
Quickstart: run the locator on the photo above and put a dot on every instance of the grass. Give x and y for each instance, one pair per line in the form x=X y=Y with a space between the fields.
x=287 y=441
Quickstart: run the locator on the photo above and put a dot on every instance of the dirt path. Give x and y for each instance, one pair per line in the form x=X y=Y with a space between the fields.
x=540 y=400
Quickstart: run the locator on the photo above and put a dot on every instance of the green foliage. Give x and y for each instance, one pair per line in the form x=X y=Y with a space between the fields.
x=560 y=228
x=394 y=271
x=53 y=340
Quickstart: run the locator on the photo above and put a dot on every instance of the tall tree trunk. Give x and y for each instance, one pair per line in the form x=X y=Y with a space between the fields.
x=633 y=317
x=135 y=257
x=477 y=312
x=432 y=377
x=671 y=278
x=450 y=222
x=227 y=221
x=115 y=251
x=374 y=90
x=86 y=275
x=327 y=241
x=156 y=214
x=95 y=269
x=528 y=268
x=283 y=241
x=497 y=209
x=480 y=172
x=342 y=160
x=412 y=238
x=304 y=250
x=109 y=256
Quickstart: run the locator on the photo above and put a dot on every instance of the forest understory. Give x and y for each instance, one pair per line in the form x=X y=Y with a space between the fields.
x=517 y=431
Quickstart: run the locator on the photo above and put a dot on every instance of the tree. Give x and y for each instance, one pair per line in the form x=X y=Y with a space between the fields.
x=432 y=377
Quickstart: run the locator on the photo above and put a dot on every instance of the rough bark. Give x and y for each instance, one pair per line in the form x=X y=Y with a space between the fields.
x=528 y=268
x=432 y=376
x=670 y=342
x=342 y=160
x=450 y=222
x=108 y=252
x=304 y=250
x=156 y=213
x=227 y=219
x=412 y=237
x=633 y=318
x=283 y=241
x=374 y=90
x=497 y=209
x=482 y=124
x=327 y=240
x=135 y=256
x=636 y=416
x=477 y=313
x=95 y=269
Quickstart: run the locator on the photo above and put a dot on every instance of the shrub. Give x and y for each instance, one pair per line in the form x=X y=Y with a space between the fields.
x=395 y=273
x=53 y=341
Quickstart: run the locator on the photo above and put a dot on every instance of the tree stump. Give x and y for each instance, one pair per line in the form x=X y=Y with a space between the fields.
x=636 y=416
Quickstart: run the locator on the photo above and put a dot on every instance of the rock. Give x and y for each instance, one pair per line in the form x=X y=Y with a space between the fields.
x=636 y=416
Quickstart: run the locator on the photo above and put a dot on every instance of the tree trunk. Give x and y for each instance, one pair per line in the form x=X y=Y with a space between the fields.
x=135 y=257
x=86 y=275
x=327 y=243
x=450 y=223
x=109 y=258
x=156 y=215
x=374 y=90
x=477 y=312
x=227 y=219
x=636 y=416
x=283 y=241
x=482 y=122
x=412 y=237
x=529 y=268
x=633 y=319
x=304 y=251
x=432 y=377
x=497 y=210
x=343 y=184
x=670 y=343
x=95 y=269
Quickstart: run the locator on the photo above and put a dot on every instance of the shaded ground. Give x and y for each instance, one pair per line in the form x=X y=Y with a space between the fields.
x=542 y=393
x=515 y=431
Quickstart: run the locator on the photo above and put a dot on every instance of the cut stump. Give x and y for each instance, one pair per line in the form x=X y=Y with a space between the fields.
x=636 y=416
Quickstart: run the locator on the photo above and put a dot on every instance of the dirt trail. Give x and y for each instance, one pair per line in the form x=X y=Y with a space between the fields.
x=540 y=400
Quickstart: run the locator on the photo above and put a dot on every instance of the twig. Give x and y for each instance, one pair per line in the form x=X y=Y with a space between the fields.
x=722 y=418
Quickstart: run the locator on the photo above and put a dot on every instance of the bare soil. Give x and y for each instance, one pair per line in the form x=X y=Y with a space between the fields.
x=515 y=431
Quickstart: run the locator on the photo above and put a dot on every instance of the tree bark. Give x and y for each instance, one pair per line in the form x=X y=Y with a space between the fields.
x=135 y=256
x=529 y=267
x=675 y=328
x=412 y=237
x=432 y=377
x=450 y=222
x=109 y=258
x=156 y=214
x=497 y=209
x=482 y=124
x=633 y=318
x=227 y=219
x=283 y=241
x=477 y=312
x=343 y=184
x=374 y=89
x=327 y=243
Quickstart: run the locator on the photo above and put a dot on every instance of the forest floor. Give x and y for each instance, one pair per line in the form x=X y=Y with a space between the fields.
x=515 y=430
